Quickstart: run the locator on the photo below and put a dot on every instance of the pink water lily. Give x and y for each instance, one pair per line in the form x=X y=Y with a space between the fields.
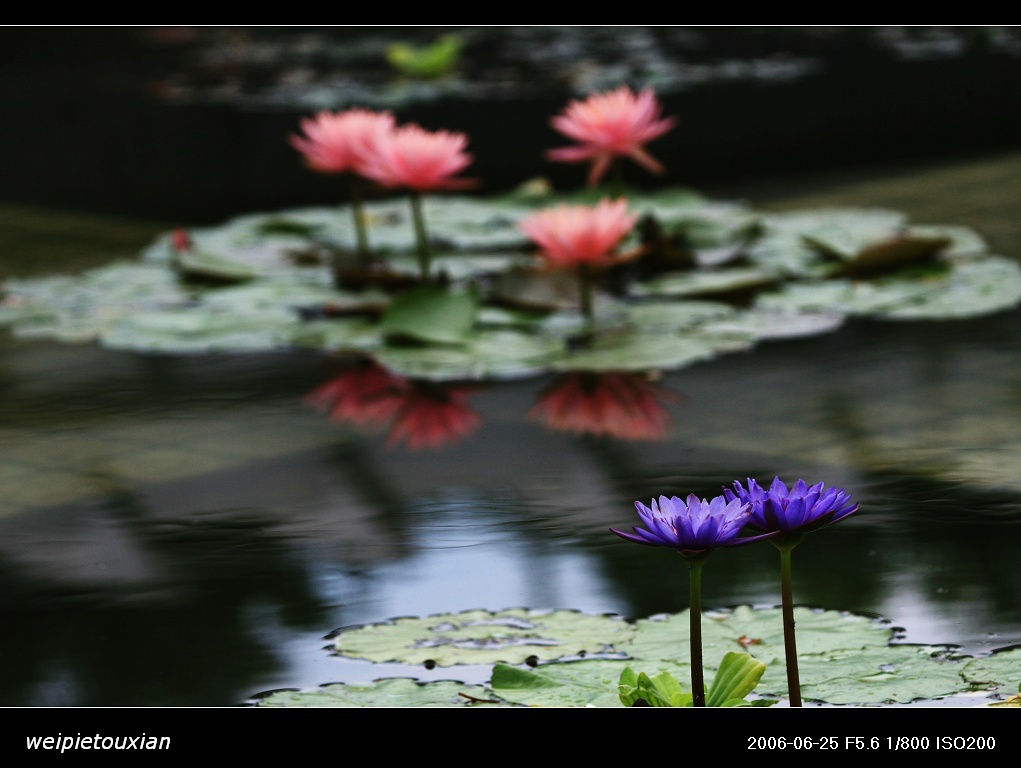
x=338 y=142
x=410 y=157
x=571 y=235
x=609 y=125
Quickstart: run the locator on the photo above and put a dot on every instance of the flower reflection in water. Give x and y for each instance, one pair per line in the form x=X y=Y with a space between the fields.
x=415 y=412
x=624 y=405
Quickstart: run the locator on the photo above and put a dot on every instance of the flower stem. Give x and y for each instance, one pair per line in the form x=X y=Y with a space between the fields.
x=695 y=633
x=358 y=212
x=790 y=645
x=421 y=238
x=585 y=292
x=617 y=180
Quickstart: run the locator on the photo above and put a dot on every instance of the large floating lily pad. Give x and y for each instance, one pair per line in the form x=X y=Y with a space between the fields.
x=484 y=637
x=567 y=658
x=394 y=692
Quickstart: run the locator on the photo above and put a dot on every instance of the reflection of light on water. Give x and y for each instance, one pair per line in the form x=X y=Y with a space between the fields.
x=470 y=565
x=931 y=619
x=469 y=559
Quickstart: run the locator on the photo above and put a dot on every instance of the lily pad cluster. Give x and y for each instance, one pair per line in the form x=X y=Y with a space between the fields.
x=713 y=277
x=566 y=658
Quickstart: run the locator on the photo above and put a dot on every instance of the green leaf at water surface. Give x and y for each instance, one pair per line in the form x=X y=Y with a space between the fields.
x=483 y=637
x=430 y=314
x=496 y=354
x=637 y=349
x=999 y=673
x=392 y=692
x=435 y=59
x=585 y=683
x=567 y=658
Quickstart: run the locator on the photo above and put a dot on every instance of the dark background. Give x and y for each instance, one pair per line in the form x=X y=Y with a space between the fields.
x=191 y=123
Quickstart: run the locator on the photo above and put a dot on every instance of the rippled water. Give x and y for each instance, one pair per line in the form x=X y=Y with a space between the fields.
x=187 y=530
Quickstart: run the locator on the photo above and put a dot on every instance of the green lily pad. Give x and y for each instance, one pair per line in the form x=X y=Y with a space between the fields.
x=589 y=683
x=202 y=265
x=538 y=659
x=483 y=637
x=708 y=283
x=998 y=673
x=631 y=349
x=430 y=314
x=393 y=692
x=484 y=354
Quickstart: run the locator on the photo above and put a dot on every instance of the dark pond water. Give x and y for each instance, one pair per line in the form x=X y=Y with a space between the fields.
x=185 y=531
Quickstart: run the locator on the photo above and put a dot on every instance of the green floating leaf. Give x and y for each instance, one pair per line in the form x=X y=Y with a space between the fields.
x=434 y=60
x=588 y=683
x=430 y=314
x=708 y=283
x=392 y=692
x=997 y=673
x=638 y=349
x=485 y=354
x=483 y=637
x=886 y=255
x=897 y=674
x=203 y=265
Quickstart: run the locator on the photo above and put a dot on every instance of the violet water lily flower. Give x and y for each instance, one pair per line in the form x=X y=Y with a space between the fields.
x=694 y=527
x=792 y=512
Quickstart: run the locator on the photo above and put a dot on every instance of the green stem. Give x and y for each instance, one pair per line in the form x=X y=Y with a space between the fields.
x=617 y=179
x=358 y=212
x=695 y=633
x=790 y=644
x=421 y=238
x=585 y=292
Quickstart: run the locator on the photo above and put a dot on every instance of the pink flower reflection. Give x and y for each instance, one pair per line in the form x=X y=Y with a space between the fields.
x=367 y=395
x=627 y=406
x=609 y=125
x=432 y=416
x=417 y=413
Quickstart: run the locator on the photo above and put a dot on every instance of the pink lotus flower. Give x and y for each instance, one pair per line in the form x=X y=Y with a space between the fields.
x=609 y=125
x=627 y=406
x=570 y=236
x=335 y=142
x=410 y=157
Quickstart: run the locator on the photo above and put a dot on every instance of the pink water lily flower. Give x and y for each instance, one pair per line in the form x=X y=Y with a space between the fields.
x=570 y=236
x=410 y=157
x=337 y=142
x=608 y=125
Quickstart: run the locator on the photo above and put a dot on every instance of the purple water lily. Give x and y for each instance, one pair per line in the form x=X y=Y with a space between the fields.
x=694 y=527
x=790 y=513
